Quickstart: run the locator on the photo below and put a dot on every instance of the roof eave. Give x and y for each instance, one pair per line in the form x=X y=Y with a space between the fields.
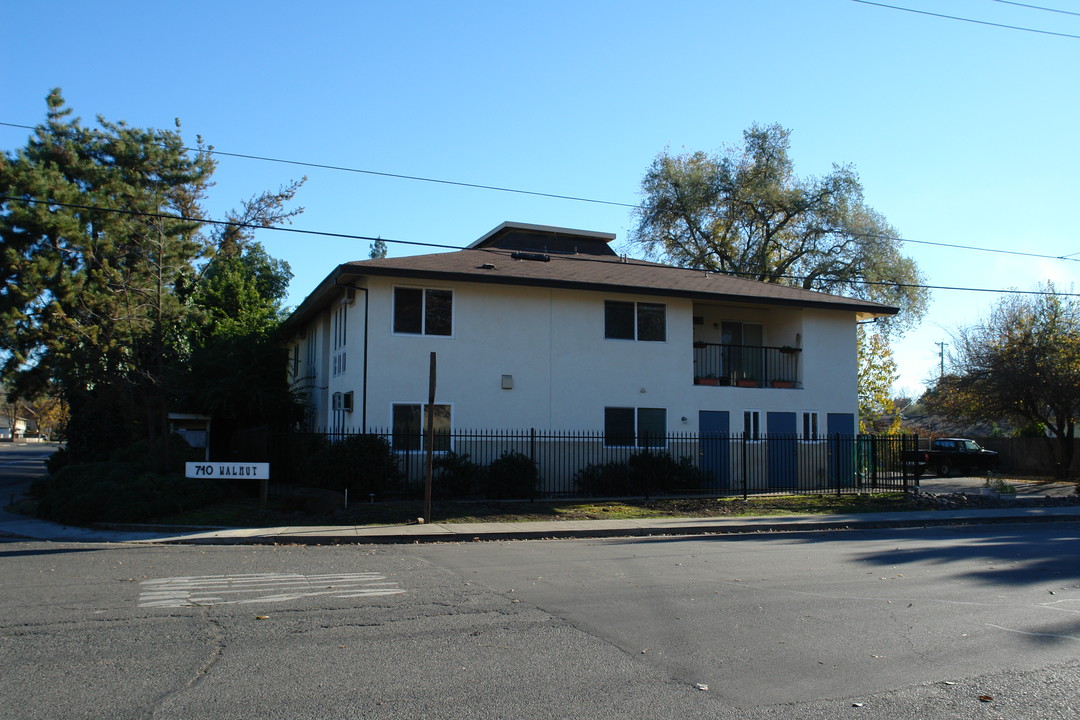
x=867 y=308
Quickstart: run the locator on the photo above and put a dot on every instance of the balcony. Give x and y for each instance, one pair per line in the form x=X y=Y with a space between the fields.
x=748 y=366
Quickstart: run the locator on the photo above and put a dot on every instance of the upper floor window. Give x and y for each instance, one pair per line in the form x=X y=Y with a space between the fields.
x=635 y=321
x=423 y=312
x=340 y=326
x=312 y=353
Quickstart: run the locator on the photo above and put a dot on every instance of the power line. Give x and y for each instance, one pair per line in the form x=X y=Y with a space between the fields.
x=230 y=223
x=979 y=249
x=424 y=179
x=379 y=173
x=968 y=20
x=1037 y=7
x=208 y=221
x=632 y=206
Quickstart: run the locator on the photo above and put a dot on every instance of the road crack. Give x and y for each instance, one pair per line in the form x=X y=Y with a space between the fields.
x=217 y=649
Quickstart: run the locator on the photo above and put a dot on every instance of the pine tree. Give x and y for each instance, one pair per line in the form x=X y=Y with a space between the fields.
x=103 y=246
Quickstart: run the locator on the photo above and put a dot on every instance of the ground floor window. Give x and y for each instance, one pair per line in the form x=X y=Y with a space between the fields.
x=629 y=427
x=810 y=426
x=409 y=422
x=752 y=425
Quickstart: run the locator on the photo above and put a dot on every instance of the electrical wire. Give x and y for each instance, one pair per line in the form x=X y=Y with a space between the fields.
x=230 y=223
x=418 y=178
x=1037 y=7
x=378 y=173
x=639 y=263
x=968 y=20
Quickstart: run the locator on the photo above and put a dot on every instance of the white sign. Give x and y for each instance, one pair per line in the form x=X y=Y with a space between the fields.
x=251 y=470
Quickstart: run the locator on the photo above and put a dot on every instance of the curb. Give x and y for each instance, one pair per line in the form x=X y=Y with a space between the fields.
x=30 y=529
x=606 y=533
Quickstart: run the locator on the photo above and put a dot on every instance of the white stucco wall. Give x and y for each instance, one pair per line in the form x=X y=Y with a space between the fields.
x=564 y=371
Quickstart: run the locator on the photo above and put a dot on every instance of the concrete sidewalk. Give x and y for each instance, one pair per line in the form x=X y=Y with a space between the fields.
x=22 y=527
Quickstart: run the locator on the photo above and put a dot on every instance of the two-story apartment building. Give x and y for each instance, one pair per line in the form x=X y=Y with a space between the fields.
x=545 y=327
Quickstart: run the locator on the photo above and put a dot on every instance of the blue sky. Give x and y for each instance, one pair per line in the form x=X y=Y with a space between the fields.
x=962 y=134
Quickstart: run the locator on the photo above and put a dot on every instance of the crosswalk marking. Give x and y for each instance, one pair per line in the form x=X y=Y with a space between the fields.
x=194 y=590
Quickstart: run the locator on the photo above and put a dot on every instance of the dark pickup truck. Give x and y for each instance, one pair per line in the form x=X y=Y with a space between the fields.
x=948 y=456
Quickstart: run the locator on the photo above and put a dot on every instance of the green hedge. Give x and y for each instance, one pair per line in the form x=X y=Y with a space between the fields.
x=510 y=476
x=642 y=473
x=113 y=491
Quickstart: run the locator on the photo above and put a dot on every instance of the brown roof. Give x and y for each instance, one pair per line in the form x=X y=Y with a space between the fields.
x=583 y=272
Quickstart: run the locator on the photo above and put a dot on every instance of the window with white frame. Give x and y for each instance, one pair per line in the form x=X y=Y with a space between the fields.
x=635 y=427
x=339 y=325
x=423 y=311
x=810 y=420
x=312 y=354
x=643 y=321
x=409 y=426
x=752 y=425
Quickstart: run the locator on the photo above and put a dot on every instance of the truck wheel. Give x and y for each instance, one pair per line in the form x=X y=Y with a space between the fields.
x=944 y=470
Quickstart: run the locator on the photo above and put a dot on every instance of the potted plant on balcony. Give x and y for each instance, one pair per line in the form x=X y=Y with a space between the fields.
x=709 y=379
x=747 y=382
x=780 y=383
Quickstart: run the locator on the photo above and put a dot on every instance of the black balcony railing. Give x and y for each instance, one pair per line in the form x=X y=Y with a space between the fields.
x=746 y=365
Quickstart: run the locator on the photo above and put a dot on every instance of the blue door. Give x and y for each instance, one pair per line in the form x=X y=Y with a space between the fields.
x=714 y=451
x=782 y=452
x=841 y=431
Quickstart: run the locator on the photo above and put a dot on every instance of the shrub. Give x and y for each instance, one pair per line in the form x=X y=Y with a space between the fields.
x=362 y=464
x=85 y=493
x=512 y=475
x=642 y=473
x=603 y=479
x=455 y=476
x=57 y=460
x=146 y=456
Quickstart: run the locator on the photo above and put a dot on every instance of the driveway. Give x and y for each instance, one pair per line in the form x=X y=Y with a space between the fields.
x=974 y=484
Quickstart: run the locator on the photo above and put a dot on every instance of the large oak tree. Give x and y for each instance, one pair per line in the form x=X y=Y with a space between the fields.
x=746 y=212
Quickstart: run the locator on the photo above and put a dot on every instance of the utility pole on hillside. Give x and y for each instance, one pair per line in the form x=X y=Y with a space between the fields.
x=941 y=358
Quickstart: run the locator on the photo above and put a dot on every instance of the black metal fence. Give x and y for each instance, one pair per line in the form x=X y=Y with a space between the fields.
x=550 y=463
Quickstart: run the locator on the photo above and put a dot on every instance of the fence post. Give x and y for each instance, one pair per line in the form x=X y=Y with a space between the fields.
x=745 y=466
x=835 y=446
x=874 y=457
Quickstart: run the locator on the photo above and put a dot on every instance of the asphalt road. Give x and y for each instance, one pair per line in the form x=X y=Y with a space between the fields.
x=20 y=463
x=869 y=624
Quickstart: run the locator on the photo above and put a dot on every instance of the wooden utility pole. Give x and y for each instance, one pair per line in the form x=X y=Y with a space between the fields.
x=429 y=440
x=941 y=358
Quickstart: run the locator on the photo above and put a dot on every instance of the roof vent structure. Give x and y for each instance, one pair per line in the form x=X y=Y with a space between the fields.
x=535 y=257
